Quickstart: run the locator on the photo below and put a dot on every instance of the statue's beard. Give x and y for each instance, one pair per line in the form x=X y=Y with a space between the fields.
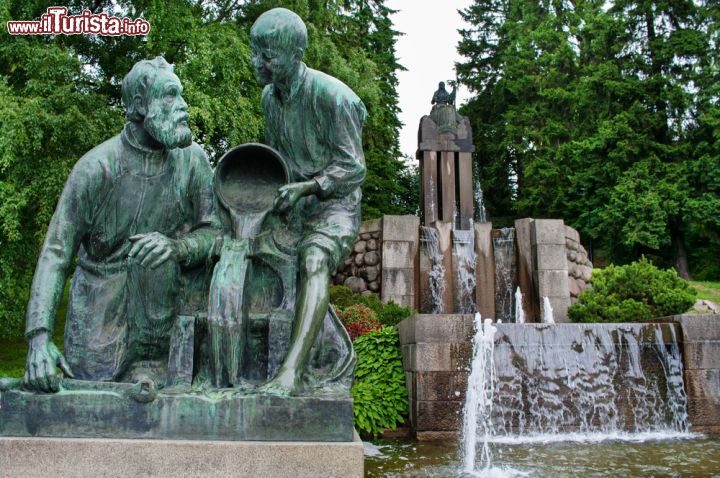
x=170 y=130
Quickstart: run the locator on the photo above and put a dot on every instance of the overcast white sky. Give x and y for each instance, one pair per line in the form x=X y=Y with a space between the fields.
x=429 y=51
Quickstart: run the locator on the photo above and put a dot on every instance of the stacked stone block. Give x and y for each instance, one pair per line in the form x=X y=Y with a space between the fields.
x=551 y=273
x=400 y=242
x=436 y=353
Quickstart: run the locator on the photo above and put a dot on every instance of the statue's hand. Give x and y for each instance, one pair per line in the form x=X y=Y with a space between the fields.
x=290 y=194
x=152 y=249
x=43 y=357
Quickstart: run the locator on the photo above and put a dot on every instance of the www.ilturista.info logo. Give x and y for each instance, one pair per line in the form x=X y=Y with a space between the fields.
x=57 y=22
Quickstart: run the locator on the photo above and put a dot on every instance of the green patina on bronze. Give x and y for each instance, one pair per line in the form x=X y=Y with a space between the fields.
x=199 y=304
x=443 y=112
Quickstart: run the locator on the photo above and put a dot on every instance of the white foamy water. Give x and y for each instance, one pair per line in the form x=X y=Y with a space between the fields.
x=519 y=312
x=547 y=317
x=479 y=399
x=464 y=252
x=589 y=438
x=429 y=238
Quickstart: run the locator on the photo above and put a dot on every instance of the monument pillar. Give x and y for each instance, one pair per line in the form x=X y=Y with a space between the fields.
x=445 y=154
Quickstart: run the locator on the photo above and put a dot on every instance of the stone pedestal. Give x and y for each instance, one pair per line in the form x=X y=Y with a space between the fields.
x=110 y=458
x=112 y=410
x=549 y=258
x=436 y=352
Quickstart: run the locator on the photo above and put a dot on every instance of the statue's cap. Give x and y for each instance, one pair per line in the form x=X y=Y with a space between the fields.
x=280 y=27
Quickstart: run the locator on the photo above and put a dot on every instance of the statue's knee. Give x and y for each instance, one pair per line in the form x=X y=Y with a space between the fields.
x=314 y=260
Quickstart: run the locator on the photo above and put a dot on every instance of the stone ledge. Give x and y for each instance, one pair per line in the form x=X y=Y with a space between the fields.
x=431 y=357
x=436 y=328
x=110 y=458
x=110 y=412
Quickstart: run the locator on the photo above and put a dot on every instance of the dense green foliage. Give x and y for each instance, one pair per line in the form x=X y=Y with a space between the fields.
x=634 y=292
x=381 y=399
x=388 y=314
x=604 y=113
x=60 y=96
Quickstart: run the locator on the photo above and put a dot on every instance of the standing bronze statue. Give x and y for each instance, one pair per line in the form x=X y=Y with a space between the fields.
x=137 y=212
x=315 y=122
x=441 y=95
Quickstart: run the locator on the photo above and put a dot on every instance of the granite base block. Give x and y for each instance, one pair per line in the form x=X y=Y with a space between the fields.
x=109 y=412
x=111 y=458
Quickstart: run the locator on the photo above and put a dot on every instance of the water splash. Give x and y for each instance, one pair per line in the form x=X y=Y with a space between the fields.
x=547 y=317
x=479 y=397
x=480 y=212
x=519 y=312
x=429 y=237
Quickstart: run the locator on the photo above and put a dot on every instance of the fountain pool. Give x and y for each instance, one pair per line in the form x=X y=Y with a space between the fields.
x=558 y=456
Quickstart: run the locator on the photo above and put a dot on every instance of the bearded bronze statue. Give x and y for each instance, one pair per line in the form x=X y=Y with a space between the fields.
x=137 y=212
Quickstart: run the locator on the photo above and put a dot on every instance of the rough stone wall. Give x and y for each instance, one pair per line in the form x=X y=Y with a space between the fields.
x=700 y=342
x=361 y=271
x=579 y=265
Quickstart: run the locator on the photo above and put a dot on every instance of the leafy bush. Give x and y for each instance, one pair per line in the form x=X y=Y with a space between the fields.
x=631 y=293
x=388 y=314
x=358 y=320
x=379 y=391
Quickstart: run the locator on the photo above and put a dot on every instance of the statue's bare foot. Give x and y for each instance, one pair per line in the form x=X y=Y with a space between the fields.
x=283 y=385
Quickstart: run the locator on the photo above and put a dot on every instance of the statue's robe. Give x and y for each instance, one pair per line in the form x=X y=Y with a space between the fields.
x=318 y=130
x=120 y=313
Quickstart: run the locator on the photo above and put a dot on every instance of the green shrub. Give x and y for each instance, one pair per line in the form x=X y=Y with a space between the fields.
x=388 y=314
x=379 y=391
x=632 y=293
x=358 y=319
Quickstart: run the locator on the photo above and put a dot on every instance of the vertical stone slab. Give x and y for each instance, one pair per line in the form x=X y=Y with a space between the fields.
x=526 y=269
x=447 y=171
x=551 y=274
x=429 y=186
x=464 y=172
x=399 y=259
x=484 y=270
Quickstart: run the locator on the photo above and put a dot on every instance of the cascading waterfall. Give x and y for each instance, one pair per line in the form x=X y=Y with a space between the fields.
x=519 y=312
x=547 y=316
x=429 y=237
x=479 y=397
x=504 y=254
x=583 y=382
x=465 y=258
x=599 y=378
